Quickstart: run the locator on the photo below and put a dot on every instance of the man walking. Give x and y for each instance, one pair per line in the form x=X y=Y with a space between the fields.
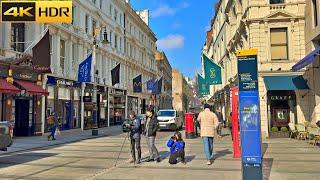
x=208 y=123
x=152 y=126
x=135 y=137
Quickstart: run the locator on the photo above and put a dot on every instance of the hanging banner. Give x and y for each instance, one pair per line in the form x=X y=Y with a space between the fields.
x=203 y=87
x=249 y=114
x=212 y=71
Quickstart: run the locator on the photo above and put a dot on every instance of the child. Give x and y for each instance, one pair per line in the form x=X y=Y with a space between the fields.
x=176 y=145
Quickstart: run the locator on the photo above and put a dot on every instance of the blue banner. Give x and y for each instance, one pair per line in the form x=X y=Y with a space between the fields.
x=84 y=72
x=151 y=85
x=249 y=113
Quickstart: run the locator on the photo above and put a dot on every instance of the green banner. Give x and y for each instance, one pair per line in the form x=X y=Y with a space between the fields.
x=203 y=86
x=212 y=71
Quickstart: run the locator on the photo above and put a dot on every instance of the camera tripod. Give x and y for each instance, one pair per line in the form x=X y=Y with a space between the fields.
x=127 y=137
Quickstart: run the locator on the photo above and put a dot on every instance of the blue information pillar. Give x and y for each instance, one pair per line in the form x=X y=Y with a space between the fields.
x=249 y=114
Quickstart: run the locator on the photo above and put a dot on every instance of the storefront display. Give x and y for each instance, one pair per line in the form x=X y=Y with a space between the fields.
x=117 y=102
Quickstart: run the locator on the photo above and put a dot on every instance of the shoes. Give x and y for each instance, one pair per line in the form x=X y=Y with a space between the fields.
x=53 y=139
x=48 y=138
x=149 y=160
x=138 y=161
x=158 y=160
x=209 y=162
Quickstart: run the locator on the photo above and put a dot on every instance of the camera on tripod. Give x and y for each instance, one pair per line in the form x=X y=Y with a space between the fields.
x=127 y=125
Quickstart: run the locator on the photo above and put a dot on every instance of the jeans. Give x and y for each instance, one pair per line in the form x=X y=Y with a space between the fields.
x=53 y=131
x=135 y=145
x=174 y=156
x=153 y=151
x=208 y=147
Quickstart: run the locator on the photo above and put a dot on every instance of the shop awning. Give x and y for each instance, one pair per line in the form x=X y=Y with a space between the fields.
x=6 y=87
x=285 y=82
x=32 y=88
x=309 y=59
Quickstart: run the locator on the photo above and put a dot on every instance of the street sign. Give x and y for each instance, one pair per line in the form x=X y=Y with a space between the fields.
x=249 y=114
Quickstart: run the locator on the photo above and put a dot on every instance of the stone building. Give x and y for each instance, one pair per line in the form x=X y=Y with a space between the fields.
x=164 y=71
x=124 y=38
x=181 y=92
x=277 y=30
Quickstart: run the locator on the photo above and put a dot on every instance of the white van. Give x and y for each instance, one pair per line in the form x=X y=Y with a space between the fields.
x=169 y=119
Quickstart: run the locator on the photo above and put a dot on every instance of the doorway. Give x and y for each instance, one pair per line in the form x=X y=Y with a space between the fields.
x=21 y=117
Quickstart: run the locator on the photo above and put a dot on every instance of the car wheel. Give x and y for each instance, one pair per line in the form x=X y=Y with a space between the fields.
x=173 y=127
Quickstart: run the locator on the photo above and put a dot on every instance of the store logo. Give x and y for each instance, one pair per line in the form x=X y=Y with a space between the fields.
x=36 y=11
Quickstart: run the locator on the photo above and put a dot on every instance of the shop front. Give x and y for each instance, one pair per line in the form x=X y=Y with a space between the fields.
x=117 y=109
x=64 y=99
x=133 y=104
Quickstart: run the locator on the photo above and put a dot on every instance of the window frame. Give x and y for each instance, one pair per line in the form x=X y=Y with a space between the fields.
x=18 y=36
x=279 y=44
x=274 y=2
x=315 y=14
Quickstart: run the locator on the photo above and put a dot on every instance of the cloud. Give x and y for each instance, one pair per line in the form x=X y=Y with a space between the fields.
x=172 y=41
x=166 y=10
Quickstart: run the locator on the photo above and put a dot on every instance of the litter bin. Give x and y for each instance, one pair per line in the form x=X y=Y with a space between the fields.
x=189 y=125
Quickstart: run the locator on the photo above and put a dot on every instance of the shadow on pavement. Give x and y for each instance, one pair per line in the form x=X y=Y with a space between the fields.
x=266 y=168
x=190 y=158
x=264 y=148
x=16 y=159
x=221 y=153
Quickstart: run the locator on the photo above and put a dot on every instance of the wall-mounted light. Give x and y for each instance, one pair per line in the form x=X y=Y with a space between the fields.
x=38 y=103
x=9 y=102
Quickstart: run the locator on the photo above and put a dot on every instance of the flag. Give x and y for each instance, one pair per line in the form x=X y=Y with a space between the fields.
x=203 y=86
x=137 y=84
x=115 y=75
x=84 y=72
x=41 y=59
x=159 y=86
x=151 y=85
x=212 y=71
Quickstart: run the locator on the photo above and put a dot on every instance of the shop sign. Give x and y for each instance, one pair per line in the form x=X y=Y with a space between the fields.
x=247 y=73
x=280 y=98
x=87 y=98
x=24 y=74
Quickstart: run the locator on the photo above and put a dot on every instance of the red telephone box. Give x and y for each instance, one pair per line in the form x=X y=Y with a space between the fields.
x=235 y=122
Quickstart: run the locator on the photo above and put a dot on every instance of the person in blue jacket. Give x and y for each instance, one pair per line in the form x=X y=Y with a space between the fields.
x=176 y=145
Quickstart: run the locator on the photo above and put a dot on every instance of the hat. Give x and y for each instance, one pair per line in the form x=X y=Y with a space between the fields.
x=206 y=106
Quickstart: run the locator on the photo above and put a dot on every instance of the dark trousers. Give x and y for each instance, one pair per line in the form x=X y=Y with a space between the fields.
x=53 y=131
x=174 y=156
x=219 y=129
x=135 y=145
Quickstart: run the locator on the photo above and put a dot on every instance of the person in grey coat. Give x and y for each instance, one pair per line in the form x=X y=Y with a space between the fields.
x=152 y=126
x=135 y=137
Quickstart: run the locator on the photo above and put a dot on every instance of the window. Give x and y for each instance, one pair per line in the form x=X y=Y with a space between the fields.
x=279 y=43
x=315 y=12
x=115 y=15
x=94 y=2
x=120 y=43
x=110 y=10
x=110 y=40
x=62 y=54
x=116 y=41
x=100 y=4
x=87 y=24
x=17 y=36
x=276 y=1
x=74 y=57
x=94 y=26
x=120 y=19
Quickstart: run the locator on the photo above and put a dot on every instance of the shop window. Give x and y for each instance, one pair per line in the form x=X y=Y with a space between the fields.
x=277 y=1
x=17 y=36
x=279 y=43
x=62 y=54
x=315 y=7
x=87 y=24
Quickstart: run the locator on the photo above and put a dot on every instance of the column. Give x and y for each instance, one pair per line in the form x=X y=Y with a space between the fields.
x=55 y=60
x=82 y=106
x=43 y=105
x=68 y=60
x=6 y=35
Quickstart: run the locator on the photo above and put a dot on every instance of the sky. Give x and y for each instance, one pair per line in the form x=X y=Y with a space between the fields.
x=180 y=27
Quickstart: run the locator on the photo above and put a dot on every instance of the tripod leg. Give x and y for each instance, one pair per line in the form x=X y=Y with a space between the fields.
x=121 y=150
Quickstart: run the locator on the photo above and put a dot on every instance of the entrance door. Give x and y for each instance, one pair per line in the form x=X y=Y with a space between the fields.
x=68 y=114
x=21 y=117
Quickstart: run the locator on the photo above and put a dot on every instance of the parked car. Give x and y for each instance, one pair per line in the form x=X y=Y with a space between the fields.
x=5 y=136
x=169 y=119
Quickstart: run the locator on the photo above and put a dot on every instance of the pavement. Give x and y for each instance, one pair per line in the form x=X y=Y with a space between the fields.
x=78 y=156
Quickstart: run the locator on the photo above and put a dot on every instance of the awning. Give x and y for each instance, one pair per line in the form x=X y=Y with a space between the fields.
x=6 y=87
x=32 y=88
x=309 y=59
x=285 y=82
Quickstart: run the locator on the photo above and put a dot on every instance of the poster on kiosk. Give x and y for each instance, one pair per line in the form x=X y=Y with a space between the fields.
x=249 y=114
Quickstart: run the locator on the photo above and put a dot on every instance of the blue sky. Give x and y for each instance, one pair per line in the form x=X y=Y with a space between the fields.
x=180 y=26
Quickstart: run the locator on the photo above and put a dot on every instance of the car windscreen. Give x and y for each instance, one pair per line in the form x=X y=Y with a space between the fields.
x=166 y=113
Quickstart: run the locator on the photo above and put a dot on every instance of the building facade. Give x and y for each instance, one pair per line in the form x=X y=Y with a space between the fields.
x=164 y=71
x=277 y=30
x=181 y=92
x=121 y=35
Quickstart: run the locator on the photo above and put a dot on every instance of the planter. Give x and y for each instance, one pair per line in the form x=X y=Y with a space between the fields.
x=279 y=134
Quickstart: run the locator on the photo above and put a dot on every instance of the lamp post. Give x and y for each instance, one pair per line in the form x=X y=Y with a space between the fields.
x=95 y=78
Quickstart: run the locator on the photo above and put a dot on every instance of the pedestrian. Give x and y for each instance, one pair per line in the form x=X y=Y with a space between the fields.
x=176 y=145
x=135 y=137
x=152 y=126
x=208 y=123
x=53 y=123
x=220 y=119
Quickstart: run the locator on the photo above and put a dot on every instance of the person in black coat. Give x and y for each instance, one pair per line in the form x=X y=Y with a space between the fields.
x=151 y=128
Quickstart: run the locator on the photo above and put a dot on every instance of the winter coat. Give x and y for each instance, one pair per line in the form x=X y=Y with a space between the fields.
x=208 y=122
x=152 y=125
x=175 y=146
